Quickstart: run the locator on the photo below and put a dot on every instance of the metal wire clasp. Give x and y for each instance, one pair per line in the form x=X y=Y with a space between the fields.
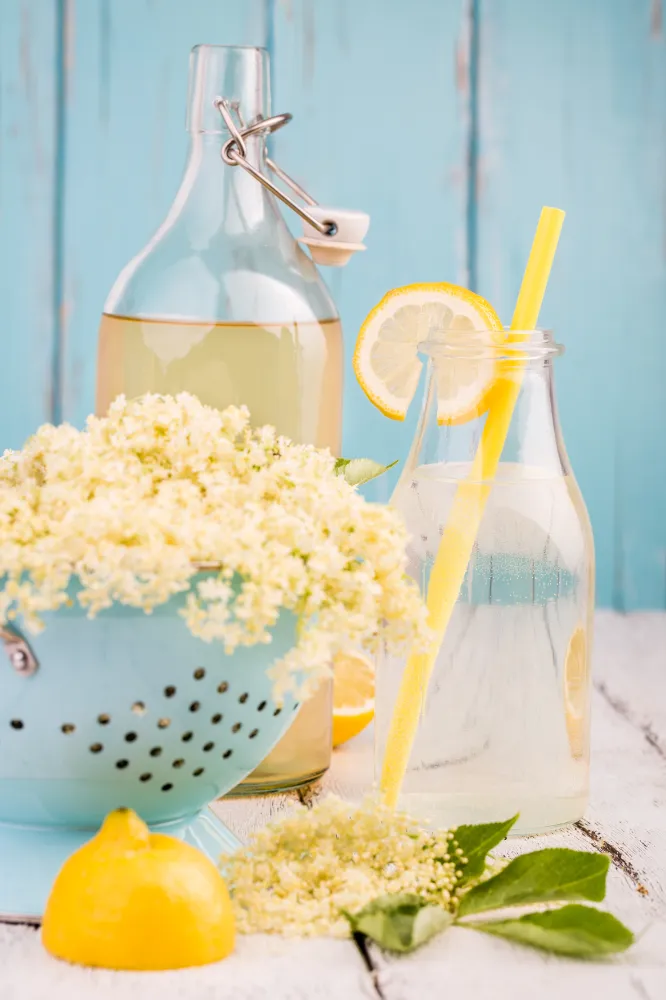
x=234 y=153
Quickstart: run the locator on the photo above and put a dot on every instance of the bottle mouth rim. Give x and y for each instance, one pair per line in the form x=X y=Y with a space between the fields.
x=247 y=48
x=507 y=344
x=238 y=72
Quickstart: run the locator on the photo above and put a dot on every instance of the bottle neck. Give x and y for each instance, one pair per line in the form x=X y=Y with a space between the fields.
x=238 y=74
x=533 y=437
x=216 y=198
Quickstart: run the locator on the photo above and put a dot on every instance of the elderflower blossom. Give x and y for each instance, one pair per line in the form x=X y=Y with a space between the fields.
x=130 y=509
x=299 y=875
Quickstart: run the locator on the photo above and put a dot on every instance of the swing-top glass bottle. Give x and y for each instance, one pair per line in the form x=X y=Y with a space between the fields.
x=223 y=303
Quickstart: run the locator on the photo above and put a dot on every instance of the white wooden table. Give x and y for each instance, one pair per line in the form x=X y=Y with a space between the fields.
x=626 y=818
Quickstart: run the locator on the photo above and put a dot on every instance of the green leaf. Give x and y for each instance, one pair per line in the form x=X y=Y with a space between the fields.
x=399 y=922
x=477 y=840
x=578 y=931
x=357 y=471
x=552 y=875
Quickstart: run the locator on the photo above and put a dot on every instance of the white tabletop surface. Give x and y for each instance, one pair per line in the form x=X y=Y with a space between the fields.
x=626 y=818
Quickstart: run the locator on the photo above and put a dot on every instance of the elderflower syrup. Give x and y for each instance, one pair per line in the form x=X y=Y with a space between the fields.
x=289 y=376
x=504 y=720
x=224 y=304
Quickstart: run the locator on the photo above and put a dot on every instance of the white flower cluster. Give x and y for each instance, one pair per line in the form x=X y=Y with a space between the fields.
x=299 y=875
x=132 y=507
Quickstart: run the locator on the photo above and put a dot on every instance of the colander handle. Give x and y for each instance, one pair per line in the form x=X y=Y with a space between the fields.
x=18 y=651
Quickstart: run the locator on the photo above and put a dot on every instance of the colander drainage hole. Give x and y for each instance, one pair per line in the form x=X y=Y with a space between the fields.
x=178 y=763
x=156 y=751
x=104 y=719
x=195 y=706
x=130 y=737
x=255 y=732
x=67 y=728
x=261 y=706
x=163 y=723
x=199 y=770
x=222 y=688
x=145 y=777
x=186 y=737
x=216 y=718
x=16 y=724
x=139 y=708
x=120 y=764
x=277 y=711
x=169 y=691
x=96 y=747
x=236 y=727
x=243 y=698
x=227 y=754
x=199 y=674
x=167 y=787
x=208 y=746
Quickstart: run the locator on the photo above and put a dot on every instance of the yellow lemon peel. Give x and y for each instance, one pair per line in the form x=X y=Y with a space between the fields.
x=132 y=899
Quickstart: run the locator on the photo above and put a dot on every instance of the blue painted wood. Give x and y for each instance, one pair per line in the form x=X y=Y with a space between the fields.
x=566 y=106
x=28 y=177
x=125 y=146
x=379 y=93
x=641 y=353
x=571 y=113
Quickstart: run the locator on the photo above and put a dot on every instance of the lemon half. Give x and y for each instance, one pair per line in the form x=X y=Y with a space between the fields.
x=353 y=695
x=386 y=359
x=132 y=899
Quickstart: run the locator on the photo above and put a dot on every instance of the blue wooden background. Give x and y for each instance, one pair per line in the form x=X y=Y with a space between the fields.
x=450 y=121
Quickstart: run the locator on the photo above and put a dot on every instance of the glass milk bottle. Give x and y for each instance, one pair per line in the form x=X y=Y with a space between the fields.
x=504 y=723
x=223 y=303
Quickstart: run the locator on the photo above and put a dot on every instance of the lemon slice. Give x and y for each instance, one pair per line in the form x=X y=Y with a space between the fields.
x=353 y=695
x=576 y=691
x=386 y=358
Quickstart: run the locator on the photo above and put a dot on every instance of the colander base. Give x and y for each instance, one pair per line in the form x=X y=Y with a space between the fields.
x=31 y=857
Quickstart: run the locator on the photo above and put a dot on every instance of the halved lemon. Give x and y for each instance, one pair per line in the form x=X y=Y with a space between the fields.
x=134 y=899
x=576 y=691
x=353 y=695
x=386 y=358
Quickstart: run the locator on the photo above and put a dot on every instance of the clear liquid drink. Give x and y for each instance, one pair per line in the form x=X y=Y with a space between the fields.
x=504 y=724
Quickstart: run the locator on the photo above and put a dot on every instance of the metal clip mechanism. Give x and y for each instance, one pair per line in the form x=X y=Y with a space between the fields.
x=19 y=653
x=340 y=237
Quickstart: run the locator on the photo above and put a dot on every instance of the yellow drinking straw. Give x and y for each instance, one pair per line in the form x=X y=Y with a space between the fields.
x=462 y=527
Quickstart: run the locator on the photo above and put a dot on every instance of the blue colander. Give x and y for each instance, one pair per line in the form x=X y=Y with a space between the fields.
x=126 y=709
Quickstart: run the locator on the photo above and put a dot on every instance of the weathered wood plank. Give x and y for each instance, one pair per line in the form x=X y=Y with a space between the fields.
x=126 y=146
x=571 y=109
x=380 y=97
x=29 y=178
x=261 y=968
x=633 y=652
x=625 y=818
x=467 y=964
